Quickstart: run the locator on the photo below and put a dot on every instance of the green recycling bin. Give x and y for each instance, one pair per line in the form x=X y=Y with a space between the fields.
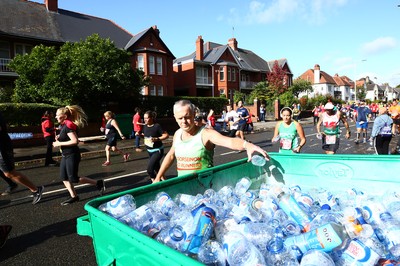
x=125 y=123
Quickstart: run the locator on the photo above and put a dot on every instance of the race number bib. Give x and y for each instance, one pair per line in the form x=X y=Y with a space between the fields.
x=286 y=144
x=148 y=142
x=330 y=139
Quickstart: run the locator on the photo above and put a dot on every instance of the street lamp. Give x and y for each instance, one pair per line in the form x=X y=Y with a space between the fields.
x=355 y=80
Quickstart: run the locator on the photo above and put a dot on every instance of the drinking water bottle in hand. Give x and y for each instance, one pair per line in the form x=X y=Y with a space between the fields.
x=258 y=160
x=119 y=207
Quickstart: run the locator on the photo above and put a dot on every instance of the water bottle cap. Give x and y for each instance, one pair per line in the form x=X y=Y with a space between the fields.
x=325 y=207
x=176 y=233
x=275 y=245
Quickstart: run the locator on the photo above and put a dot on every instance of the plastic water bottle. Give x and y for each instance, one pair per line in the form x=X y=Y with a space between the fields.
x=290 y=206
x=391 y=231
x=119 y=207
x=324 y=216
x=240 y=252
x=358 y=253
x=277 y=254
x=325 y=238
x=164 y=204
x=257 y=233
x=173 y=237
x=316 y=257
x=242 y=186
x=183 y=218
x=258 y=160
x=204 y=221
x=212 y=253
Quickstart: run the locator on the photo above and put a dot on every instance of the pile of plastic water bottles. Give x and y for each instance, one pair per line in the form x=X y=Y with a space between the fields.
x=271 y=225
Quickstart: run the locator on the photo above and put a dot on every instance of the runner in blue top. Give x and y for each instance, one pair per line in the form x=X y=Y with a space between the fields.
x=243 y=114
x=362 y=116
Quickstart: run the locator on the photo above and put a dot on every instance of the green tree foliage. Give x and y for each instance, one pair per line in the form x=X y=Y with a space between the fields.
x=239 y=96
x=277 y=80
x=300 y=85
x=262 y=92
x=88 y=73
x=287 y=99
x=32 y=70
x=361 y=92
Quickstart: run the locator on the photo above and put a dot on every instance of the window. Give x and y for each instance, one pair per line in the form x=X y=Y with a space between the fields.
x=229 y=74
x=4 y=50
x=152 y=89
x=233 y=74
x=152 y=65
x=160 y=91
x=159 y=66
x=140 y=62
x=221 y=74
x=23 y=49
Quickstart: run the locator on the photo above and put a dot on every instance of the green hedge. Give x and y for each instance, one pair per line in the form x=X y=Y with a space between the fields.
x=29 y=114
x=25 y=114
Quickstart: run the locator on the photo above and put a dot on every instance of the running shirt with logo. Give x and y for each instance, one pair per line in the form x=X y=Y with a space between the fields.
x=331 y=124
x=242 y=112
x=288 y=137
x=191 y=155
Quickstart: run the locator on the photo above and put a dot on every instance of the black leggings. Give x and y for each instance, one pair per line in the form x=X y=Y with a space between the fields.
x=382 y=144
x=154 y=162
x=49 y=150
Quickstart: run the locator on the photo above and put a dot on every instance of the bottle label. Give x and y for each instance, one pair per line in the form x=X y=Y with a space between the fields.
x=292 y=208
x=323 y=238
x=358 y=252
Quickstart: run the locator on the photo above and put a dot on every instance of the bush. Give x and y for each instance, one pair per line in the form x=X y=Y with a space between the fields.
x=25 y=114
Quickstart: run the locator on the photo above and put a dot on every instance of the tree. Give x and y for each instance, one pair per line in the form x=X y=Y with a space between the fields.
x=261 y=92
x=32 y=69
x=361 y=92
x=277 y=82
x=89 y=73
x=300 y=85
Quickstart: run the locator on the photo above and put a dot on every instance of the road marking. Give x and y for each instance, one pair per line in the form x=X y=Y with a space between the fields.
x=79 y=186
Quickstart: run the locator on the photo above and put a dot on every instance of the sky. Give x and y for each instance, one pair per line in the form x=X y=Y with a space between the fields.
x=355 y=38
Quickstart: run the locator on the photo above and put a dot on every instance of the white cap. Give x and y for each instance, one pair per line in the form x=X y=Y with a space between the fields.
x=328 y=106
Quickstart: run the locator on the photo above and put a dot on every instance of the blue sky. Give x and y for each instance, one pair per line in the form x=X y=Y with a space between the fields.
x=355 y=38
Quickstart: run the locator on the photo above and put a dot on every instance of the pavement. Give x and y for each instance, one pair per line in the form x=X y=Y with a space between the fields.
x=93 y=146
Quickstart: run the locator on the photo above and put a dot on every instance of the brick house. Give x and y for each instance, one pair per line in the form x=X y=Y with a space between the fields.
x=214 y=69
x=25 y=24
x=151 y=55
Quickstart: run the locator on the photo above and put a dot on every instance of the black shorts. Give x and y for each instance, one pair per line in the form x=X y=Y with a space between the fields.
x=241 y=127
x=112 y=140
x=7 y=163
x=330 y=147
x=69 y=167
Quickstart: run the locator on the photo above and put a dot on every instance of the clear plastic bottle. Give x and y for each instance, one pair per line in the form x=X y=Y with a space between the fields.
x=391 y=230
x=257 y=233
x=242 y=186
x=204 y=223
x=277 y=254
x=290 y=206
x=258 y=160
x=164 y=204
x=326 y=238
x=359 y=253
x=212 y=253
x=324 y=216
x=316 y=257
x=119 y=207
x=173 y=237
x=241 y=252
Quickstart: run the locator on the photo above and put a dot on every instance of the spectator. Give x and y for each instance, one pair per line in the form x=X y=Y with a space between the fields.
x=137 y=128
x=243 y=114
x=362 y=116
x=48 y=131
x=262 y=113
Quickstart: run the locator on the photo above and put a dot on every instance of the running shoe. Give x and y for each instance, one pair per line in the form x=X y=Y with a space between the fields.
x=37 y=196
x=70 y=201
x=9 y=190
x=4 y=232
x=356 y=141
x=101 y=186
x=138 y=150
x=126 y=157
x=106 y=163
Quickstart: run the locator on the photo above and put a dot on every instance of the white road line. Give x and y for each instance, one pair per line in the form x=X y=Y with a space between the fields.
x=79 y=186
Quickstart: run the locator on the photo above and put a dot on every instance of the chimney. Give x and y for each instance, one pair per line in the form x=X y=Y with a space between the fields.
x=317 y=74
x=156 y=29
x=233 y=43
x=51 y=5
x=199 y=48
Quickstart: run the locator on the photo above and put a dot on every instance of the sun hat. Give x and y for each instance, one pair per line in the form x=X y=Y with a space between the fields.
x=328 y=106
